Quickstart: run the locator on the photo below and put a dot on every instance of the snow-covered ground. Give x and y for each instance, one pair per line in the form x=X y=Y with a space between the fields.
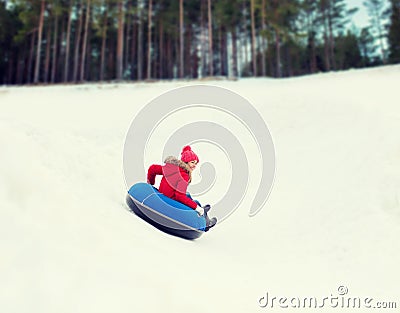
x=68 y=243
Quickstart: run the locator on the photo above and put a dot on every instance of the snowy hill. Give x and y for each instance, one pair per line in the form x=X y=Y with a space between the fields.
x=68 y=243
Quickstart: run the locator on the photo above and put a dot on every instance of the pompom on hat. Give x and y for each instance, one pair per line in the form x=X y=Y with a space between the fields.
x=188 y=155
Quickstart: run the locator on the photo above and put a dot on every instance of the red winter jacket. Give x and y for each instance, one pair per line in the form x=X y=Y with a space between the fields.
x=175 y=180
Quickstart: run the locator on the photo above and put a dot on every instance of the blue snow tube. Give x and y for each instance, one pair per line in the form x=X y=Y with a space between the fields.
x=166 y=214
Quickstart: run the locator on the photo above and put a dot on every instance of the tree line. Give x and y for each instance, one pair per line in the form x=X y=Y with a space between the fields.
x=70 y=41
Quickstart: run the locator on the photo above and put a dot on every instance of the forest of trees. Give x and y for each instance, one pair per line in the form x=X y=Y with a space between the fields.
x=72 y=41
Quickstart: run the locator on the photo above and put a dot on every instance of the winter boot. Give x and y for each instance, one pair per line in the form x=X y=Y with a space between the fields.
x=210 y=223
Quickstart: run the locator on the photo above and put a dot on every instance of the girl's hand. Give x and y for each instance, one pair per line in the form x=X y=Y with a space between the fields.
x=206 y=208
x=200 y=211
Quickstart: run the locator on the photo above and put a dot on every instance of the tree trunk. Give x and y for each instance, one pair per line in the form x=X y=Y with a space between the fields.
x=10 y=70
x=313 y=55
x=244 y=38
x=188 y=67
x=31 y=55
x=140 y=41
x=278 y=54
x=133 y=48
x=331 y=43
x=20 y=64
x=111 y=59
x=203 y=41
x=263 y=44
x=253 y=40
x=326 y=41
x=379 y=27
x=258 y=54
x=225 y=52
x=289 y=61
x=161 y=50
x=270 y=60
x=88 y=68
x=38 y=50
x=55 y=46
x=48 y=52
x=103 y=46
x=77 y=43
x=149 y=40
x=326 y=53
x=234 y=53
x=67 y=48
x=120 y=44
x=169 y=57
x=85 y=36
x=128 y=28
x=219 y=51
x=210 y=41
x=181 y=43
x=222 y=48
x=194 y=59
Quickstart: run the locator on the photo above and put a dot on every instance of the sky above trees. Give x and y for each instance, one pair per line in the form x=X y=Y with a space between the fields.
x=360 y=19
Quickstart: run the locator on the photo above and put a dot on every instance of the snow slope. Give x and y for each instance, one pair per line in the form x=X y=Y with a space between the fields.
x=68 y=243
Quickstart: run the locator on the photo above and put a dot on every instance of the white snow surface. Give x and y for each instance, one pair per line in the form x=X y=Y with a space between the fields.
x=69 y=244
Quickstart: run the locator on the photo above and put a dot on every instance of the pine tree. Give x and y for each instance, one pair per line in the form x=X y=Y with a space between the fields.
x=68 y=41
x=39 y=44
x=281 y=17
x=228 y=14
x=348 y=54
x=149 y=38
x=309 y=19
x=120 y=44
x=376 y=11
x=210 y=39
x=12 y=33
x=139 y=63
x=57 y=11
x=394 y=32
x=85 y=39
x=253 y=38
x=367 y=47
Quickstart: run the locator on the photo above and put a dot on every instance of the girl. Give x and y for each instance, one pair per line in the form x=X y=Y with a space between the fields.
x=177 y=174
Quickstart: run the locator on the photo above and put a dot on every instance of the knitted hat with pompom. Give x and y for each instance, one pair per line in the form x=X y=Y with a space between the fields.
x=188 y=155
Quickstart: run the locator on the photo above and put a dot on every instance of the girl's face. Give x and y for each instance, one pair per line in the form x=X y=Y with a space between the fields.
x=192 y=165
